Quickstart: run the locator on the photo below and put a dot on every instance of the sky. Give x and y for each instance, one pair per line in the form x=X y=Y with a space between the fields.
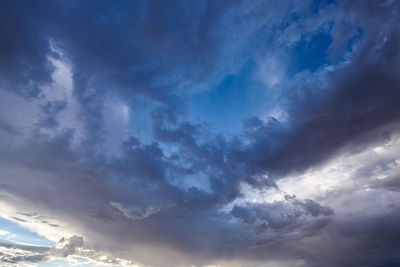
x=200 y=133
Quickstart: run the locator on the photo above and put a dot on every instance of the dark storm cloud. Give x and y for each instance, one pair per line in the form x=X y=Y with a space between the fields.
x=352 y=107
x=23 y=50
x=360 y=240
x=159 y=43
x=163 y=50
x=391 y=183
x=276 y=215
x=49 y=113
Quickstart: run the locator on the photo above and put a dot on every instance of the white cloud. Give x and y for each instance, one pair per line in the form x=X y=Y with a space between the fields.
x=272 y=70
x=67 y=250
x=134 y=212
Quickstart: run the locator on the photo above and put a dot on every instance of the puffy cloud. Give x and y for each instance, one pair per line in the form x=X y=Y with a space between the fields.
x=68 y=246
x=68 y=250
x=12 y=253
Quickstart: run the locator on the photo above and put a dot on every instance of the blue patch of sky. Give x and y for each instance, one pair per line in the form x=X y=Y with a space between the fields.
x=22 y=234
x=318 y=4
x=237 y=97
x=140 y=119
x=309 y=54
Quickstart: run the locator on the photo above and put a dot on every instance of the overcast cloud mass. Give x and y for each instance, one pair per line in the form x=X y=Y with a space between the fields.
x=200 y=133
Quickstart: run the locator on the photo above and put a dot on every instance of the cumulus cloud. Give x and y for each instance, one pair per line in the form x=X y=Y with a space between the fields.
x=70 y=250
x=12 y=253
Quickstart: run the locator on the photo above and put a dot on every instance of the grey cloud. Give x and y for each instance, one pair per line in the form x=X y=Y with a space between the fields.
x=391 y=183
x=280 y=213
x=68 y=246
x=49 y=113
x=354 y=106
x=375 y=234
x=342 y=110
x=135 y=212
x=314 y=208
x=24 y=63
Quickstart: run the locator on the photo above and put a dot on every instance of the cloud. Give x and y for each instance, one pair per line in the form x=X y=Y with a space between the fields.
x=69 y=250
x=334 y=111
x=135 y=212
x=68 y=246
x=70 y=167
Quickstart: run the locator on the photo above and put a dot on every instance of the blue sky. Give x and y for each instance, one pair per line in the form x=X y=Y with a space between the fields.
x=14 y=232
x=234 y=99
x=201 y=133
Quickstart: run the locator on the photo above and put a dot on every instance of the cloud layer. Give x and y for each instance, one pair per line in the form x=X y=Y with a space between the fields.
x=100 y=141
